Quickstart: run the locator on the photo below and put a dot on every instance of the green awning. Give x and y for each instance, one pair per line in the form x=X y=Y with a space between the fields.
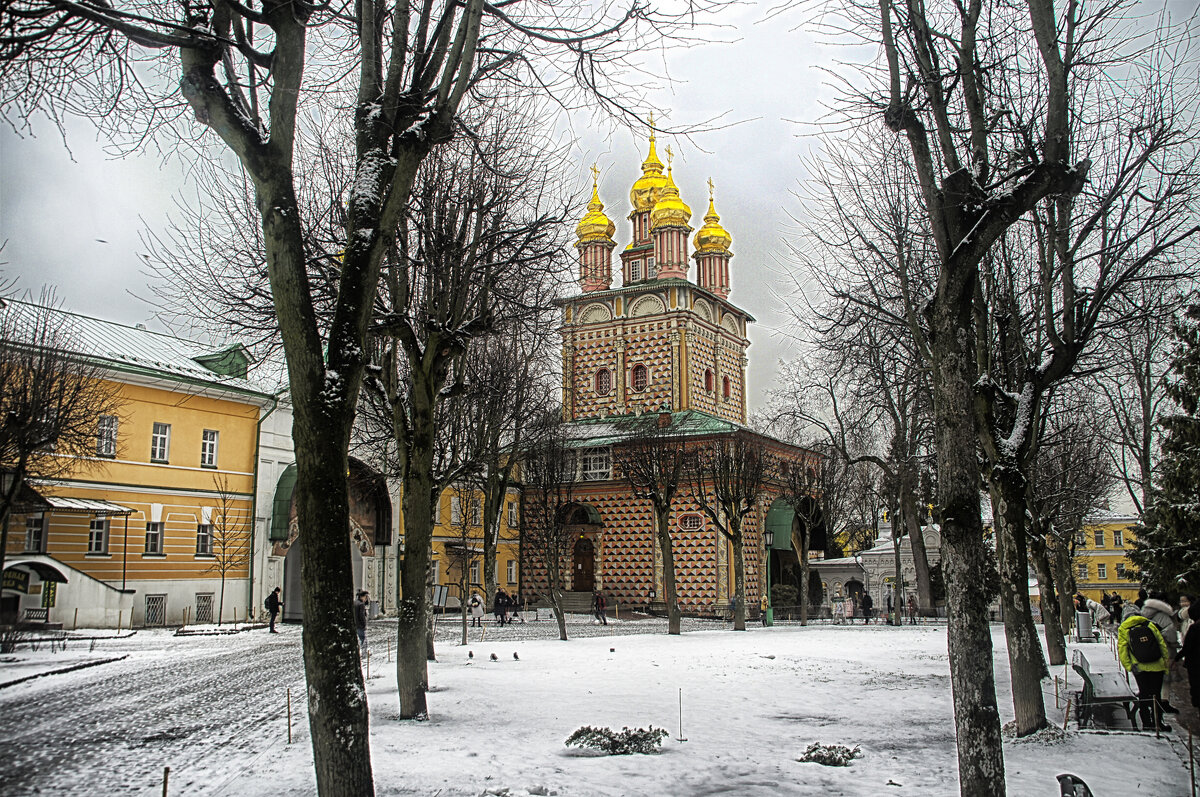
x=281 y=508
x=779 y=521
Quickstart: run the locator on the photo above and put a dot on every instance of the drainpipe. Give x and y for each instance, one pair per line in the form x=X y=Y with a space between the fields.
x=254 y=503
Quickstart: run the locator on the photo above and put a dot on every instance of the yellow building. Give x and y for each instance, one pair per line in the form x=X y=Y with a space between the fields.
x=458 y=543
x=144 y=530
x=1100 y=557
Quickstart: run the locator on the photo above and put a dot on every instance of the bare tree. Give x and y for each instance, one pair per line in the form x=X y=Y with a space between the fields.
x=550 y=477
x=727 y=475
x=58 y=415
x=389 y=82
x=485 y=233
x=464 y=555
x=654 y=462
x=229 y=537
x=803 y=488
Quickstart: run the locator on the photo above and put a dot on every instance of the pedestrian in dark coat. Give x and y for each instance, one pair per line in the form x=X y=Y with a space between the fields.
x=360 y=617
x=598 y=606
x=273 y=606
x=868 y=603
x=500 y=607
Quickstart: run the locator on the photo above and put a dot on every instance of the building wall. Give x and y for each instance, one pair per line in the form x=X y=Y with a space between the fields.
x=1103 y=562
x=177 y=492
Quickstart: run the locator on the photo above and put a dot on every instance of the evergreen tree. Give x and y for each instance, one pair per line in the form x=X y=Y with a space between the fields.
x=1168 y=547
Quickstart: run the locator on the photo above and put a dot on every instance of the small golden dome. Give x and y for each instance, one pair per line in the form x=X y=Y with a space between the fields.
x=595 y=226
x=649 y=187
x=670 y=209
x=712 y=237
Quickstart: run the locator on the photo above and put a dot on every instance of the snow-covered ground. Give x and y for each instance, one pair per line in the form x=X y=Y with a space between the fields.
x=213 y=709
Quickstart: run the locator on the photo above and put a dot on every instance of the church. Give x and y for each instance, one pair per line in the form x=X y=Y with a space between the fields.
x=664 y=344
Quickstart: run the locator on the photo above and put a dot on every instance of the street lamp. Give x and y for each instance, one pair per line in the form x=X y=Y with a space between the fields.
x=769 y=539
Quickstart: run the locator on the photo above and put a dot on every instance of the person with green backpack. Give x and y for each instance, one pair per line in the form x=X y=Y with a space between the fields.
x=1143 y=652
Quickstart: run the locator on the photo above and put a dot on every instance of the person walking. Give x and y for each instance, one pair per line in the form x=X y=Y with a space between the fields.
x=1156 y=609
x=598 y=606
x=912 y=609
x=500 y=606
x=273 y=605
x=1189 y=651
x=475 y=606
x=868 y=603
x=360 y=617
x=1143 y=652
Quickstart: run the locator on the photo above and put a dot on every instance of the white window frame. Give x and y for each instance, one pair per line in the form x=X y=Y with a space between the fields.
x=474 y=576
x=1101 y=570
x=476 y=511
x=511 y=567
x=204 y=539
x=651 y=271
x=1118 y=539
x=1081 y=539
x=209 y=447
x=514 y=519
x=107 y=427
x=635 y=270
x=435 y=571
x=1120 y=570
x=160 y=442
x=1081 y=571
x=98 y=536
x=1098 y=538
x=455 y=510
x=35 y=533
x=156 y=532
x=595 y=464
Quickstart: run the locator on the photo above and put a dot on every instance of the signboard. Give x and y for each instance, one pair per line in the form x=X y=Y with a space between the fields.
x=17 y=580
x=440 y=593
x=49 y=593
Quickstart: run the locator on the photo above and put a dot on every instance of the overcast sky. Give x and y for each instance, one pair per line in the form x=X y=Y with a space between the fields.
x=73 y=218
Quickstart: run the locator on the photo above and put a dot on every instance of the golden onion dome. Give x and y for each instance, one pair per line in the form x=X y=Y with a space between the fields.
x=712 y=237
x=670 y=209
x=595 y=226
x=648 y=188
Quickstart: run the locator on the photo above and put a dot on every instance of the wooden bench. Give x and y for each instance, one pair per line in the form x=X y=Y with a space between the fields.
x=1101 y=691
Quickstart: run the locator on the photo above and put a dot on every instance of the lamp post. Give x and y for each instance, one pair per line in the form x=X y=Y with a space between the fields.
x=769 y=539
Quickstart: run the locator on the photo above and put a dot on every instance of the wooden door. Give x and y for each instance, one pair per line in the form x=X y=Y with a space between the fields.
x=583 y=566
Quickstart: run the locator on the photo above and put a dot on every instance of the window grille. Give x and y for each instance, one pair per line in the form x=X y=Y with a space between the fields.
x=603 y=382
x=641 y=377
x=691 y=522
x=156 y=610
x=204 y=607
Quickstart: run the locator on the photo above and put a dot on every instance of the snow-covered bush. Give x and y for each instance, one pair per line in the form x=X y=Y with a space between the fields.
x=831 y=755
x=625 y=742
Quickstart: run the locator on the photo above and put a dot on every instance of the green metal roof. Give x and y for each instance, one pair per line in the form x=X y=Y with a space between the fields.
x=281 y=508
x=779 y=521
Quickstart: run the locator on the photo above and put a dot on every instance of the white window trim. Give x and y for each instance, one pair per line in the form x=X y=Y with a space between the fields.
x=208 y=534
x=107 y=429
x=103 y=530
x=595 y=464
x=1101 y=570
x=208 y=457
x=165 y=438
x=514 y=519
x=160 y=530
x=40 y=520
x=511 y=568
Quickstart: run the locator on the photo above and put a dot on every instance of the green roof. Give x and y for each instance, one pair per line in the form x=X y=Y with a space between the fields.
x=618 y=429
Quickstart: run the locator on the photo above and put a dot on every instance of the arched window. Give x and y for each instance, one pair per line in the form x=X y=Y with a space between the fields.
x=726 y=387
x=708 y=381
x=641 y=377
x=603 y=382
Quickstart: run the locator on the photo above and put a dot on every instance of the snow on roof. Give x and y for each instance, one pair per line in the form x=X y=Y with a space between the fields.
x=136 y=348
x=607 y=431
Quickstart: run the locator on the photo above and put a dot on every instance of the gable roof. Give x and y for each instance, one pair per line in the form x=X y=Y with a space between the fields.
x=137 y=350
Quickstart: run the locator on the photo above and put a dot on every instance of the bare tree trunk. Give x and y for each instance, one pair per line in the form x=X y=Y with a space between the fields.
x=1056 y=649
x=1063 y=578
x=800 y=544
x=1024 y=650
x=976 y=718
x=911 y=514
x=559 y=614
x=413 y=613
x=674 y=619
x=739 y=578
x=337 y=706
